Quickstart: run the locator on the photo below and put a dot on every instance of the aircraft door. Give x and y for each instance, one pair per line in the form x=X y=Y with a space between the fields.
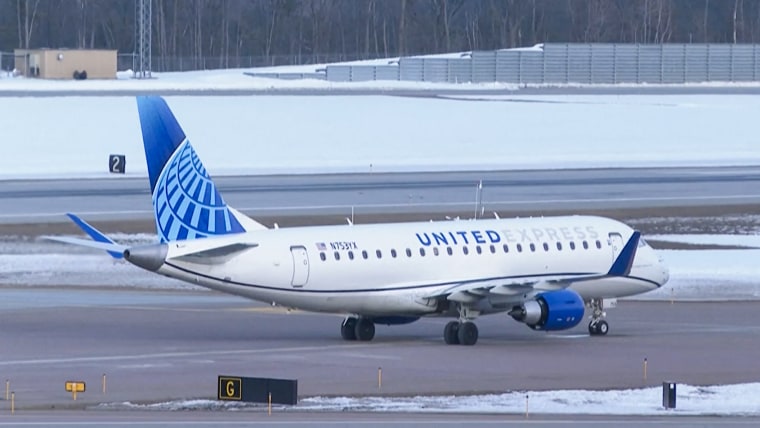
x=300 y=266
x=616 y=242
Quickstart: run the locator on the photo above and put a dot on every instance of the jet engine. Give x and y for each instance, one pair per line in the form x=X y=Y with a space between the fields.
x=553 y=310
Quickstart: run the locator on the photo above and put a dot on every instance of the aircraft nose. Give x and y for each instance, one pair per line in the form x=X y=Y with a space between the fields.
x=664 y=269
x=148 y=257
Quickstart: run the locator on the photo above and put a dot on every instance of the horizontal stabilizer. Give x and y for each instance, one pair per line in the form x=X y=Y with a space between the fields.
x=112 y=248
x=95 y=234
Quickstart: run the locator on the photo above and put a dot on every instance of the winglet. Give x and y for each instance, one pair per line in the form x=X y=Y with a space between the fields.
x=95 y=234
x=624 y=261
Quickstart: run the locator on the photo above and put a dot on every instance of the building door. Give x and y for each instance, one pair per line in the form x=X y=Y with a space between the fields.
x=300 y=266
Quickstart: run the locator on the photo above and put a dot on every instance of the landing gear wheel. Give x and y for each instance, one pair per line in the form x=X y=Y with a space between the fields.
x=451 y=333
x=598 y=328
x=468 y=333
x=364 y=330
x=348 y=328
x=602 y=328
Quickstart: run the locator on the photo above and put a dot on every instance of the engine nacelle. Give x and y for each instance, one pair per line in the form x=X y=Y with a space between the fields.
x=554 y=310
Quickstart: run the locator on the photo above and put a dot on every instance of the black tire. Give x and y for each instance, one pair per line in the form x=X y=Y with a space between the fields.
x=468 y=333
x=365 y=330
x=451 y=333
x=348 y=329
x=602 y=328
x=592 y=328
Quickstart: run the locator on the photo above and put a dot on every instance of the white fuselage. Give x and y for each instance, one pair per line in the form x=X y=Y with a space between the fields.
x=392 y=269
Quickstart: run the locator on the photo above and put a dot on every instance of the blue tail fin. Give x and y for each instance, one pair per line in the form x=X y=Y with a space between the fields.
x=186 y=203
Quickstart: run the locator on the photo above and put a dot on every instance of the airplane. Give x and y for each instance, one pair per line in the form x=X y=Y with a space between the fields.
x=542 y=272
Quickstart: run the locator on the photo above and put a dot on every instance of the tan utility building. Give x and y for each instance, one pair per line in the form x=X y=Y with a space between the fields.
x=66 y=63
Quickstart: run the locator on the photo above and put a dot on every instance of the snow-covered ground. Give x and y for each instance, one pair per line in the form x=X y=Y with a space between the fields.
x=722 y=400
x=71 y=136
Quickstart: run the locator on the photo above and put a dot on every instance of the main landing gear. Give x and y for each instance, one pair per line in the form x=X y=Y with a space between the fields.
x=460 y=333
x=354 y=328
x=464 y=331
x=598 y=326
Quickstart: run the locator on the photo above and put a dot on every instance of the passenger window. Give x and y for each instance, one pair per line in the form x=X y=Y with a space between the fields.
x=493 y=249
x=408 y=252
x=465 y=250
x=435 y=251
x=478 y=249
x=393 y=253
x=422 y=252
x=519 y=248
x=322 y=256
x=532 y=248
x=350 y=255
x=546 y=246
x=585 y=245
x=364 y=254
x=337 y=255
x=572 y=245
x=379 y=254
x=559 y=246
x=449 y=250
x=599 y=244
x=506 y=248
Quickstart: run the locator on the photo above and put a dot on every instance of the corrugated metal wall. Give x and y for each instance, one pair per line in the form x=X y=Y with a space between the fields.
x=595 y=63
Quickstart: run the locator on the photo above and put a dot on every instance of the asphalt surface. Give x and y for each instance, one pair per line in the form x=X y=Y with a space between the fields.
x=164 y=346
x=534 y=192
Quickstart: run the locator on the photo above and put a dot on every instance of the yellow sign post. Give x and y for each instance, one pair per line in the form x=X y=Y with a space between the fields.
x=230 y=388
x=74 y=387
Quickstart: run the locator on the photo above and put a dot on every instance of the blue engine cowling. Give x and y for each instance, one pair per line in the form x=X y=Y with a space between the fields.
x=554 y=310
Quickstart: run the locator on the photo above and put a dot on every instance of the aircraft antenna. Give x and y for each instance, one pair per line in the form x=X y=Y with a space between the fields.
x=479 y=209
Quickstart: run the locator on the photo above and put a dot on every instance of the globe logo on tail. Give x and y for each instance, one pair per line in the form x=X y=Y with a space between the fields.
x=186 y=202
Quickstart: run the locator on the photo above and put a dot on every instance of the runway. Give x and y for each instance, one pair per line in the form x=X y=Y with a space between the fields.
x=533 y=192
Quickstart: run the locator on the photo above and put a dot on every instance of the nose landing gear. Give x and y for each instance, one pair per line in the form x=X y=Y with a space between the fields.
x=597 y=326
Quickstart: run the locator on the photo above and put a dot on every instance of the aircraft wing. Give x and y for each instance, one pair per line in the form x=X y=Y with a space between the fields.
x=472 y=291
